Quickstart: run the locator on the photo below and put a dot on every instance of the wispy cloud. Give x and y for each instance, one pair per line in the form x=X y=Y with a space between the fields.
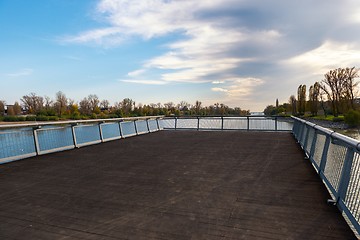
x=328 y=56
x=74 y=58
x=147 y=82
x=239 y=87
x=136 y=73
x=21 y=73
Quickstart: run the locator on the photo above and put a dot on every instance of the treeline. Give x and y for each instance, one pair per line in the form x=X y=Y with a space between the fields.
x=91 y=107
x=335 y=95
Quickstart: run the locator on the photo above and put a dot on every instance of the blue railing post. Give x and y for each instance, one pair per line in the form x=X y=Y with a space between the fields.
x=313 y=145
x=157 y=124
x=136 y=131
x=147 y=124
x=306 y=139
x=100 y=132
x=74 y=134
x=198 y=123
x=175 y=122
x=324 y=156
x=276 y=123
x=120 y=129
x=248 y=123
x=222 y=123
x=36 y=140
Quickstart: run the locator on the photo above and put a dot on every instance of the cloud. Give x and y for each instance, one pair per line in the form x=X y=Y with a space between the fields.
x=21 y=73
x=217 y=89
x=250 y=47
x=239 y=87
x=136 y=73
x=74 y=58
x=328 y=56
x=147 y=82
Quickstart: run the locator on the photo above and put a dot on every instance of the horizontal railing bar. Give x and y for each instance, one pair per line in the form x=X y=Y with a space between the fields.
x=21 y=125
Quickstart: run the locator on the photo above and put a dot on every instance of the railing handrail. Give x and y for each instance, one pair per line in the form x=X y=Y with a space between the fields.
x=225 y=116
x=227 y=123
x=103 y=120
x=338 y=170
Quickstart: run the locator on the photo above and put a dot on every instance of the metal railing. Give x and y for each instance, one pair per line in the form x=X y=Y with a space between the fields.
x=248 y=123
x=18 y=141
x=336 y=158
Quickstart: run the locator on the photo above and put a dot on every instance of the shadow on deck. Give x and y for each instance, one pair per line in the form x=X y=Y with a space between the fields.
x=170 y=185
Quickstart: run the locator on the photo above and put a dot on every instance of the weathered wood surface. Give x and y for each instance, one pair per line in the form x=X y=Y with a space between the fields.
x=170 y=185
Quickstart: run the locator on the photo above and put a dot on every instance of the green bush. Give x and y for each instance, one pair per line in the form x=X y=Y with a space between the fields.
x=42 y=118
x=352 y=118
x=13 y=118
x=53 y=118
x=30 y=118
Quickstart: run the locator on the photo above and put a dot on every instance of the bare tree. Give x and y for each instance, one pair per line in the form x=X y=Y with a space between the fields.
x=48 y=102
x=33 y=103
x=339 y=88
x=61 y=103
x=350 y=85
x=85 y=107
x=94 y=103
x=104 y=104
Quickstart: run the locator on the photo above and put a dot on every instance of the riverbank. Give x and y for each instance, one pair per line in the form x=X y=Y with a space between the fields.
x=329 y=124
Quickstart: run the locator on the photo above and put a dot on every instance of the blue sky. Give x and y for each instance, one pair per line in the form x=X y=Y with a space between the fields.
x=242 y=53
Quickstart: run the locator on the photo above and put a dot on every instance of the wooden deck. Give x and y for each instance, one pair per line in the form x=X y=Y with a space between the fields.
x=170 y=185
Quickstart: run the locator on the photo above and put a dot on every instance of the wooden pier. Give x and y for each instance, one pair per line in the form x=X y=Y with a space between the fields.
x=170 y=185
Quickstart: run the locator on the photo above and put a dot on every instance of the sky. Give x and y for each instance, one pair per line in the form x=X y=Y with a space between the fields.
x=243 y=53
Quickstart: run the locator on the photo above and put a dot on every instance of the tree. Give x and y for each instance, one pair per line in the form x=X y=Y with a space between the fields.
x=10 y=111
x=197 y=107
x=314 y=92
x=85 y=107
x=17 y=108
x=270 y=110
x=104 y=104
x=301 y=99
x=2 y=108
x=292 y=101
x=61 y=103
x=94 y=103
x=126 y=106
x=339 y=87
x=350 y=85
x=33 y=103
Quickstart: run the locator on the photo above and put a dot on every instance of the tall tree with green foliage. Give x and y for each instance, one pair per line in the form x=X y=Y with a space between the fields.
x=293 y=102
x=314 y=91
x=301 y=99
